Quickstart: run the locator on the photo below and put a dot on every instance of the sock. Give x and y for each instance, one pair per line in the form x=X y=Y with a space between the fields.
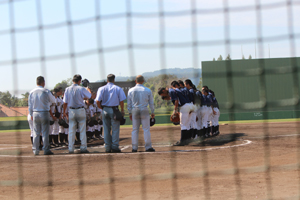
x=41 y=140
x=198 y=133
x=50 y=139
x=78 y=136
x=66 y=138
x=182 y=136
x=31 y=138
x=61 y=137
x=55 y=139
x=194 y=133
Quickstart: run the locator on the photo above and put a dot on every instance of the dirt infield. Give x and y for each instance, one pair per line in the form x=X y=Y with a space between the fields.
x=86 y=176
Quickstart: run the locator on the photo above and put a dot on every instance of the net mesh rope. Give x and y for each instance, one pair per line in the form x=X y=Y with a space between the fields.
x=194 y=12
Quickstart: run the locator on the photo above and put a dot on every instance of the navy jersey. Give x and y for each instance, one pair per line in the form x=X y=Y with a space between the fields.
x=197 y=97
x=203 y=100
x=173 y=96
x=179 y=95
x=192 y=95
x=209 y=100
x=215 y=102
x=185 y=91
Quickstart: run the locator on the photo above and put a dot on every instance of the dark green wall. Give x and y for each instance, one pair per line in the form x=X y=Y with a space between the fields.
x=276 y=76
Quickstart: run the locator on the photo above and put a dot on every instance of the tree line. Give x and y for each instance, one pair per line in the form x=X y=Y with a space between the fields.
x=229 y=58
x=153 y=83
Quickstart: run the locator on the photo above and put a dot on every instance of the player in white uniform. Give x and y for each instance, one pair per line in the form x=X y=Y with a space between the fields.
x=90 y=110
x=30 y=122
x=52 y=121
x=57 y=113
x=98 y=127
x=138 y=99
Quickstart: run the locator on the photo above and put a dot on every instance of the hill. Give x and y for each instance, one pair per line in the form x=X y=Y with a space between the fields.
x=191 y=73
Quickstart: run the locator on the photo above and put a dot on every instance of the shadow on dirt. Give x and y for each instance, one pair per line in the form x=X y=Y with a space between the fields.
x=219 y=140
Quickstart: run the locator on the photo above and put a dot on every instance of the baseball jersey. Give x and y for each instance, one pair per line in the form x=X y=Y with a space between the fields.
x=215 y=102
x=182 y=97
x=198 y=97
x=192 y=95
x=39 y=100
x=209 y=100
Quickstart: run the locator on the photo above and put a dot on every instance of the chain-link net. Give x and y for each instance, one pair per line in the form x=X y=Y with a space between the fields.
x=178 y=169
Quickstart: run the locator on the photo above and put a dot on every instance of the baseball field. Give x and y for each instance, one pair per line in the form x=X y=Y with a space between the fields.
x=246 y=161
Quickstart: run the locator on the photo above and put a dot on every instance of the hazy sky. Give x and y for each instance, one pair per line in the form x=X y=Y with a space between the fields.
x=243 y=32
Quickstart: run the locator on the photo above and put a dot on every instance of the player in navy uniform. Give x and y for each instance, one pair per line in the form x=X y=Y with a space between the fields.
x=185 y=106
x=215 y=116
x=193 y=98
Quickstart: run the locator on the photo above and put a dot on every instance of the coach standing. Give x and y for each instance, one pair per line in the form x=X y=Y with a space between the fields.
x=39 y=102
x=74 y=99
x=137 y=101
x=109 y=97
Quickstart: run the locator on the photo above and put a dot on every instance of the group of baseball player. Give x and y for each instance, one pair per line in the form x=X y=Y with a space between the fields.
x=80 y=114
x=195 y=110
x=59 y=124
x=57 y=119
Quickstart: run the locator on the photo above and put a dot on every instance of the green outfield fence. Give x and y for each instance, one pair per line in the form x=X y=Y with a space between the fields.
x=258 y=89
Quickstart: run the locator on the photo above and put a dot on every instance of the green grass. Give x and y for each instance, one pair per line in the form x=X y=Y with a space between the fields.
x=170 y=124
x=4 y=119
x=261 y=121
x=11 y=131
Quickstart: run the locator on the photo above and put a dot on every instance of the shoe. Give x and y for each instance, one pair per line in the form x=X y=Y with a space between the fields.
x=48 y=153
x=71 y=152
x=107 y=151
x=84 y=151
x=179 y=143
x=150 y=150
x=133 y=150
x=116 y=150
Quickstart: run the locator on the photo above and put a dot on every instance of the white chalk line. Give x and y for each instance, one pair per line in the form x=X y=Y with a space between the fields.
x=12 y=146
x=246 y=142
x=274 y=136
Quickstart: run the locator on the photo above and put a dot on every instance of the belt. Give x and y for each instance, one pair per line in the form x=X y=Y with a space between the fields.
x=76 y=108
x=110 y=106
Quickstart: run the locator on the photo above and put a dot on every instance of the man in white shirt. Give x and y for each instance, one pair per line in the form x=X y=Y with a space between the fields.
x=73 y=99
x=39 y=101
x=139 y=97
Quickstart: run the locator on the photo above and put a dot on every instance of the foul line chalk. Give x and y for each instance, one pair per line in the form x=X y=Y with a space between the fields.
x=246 y=142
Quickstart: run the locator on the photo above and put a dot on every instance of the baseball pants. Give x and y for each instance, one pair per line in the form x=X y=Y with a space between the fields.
x=77 y=115
x=185 y=115
x=215 y=118
x=140 y=116
x=206 y=113
x=41 y=123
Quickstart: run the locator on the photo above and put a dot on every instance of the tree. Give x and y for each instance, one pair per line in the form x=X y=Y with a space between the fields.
x=243 y=57
x=199 y=86
x=250 y=57
x=220 y=58
x=228 y=57
x=214 y=59
x=64 y=84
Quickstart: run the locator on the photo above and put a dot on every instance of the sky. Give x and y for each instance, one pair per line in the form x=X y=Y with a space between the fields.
x=110 y=33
